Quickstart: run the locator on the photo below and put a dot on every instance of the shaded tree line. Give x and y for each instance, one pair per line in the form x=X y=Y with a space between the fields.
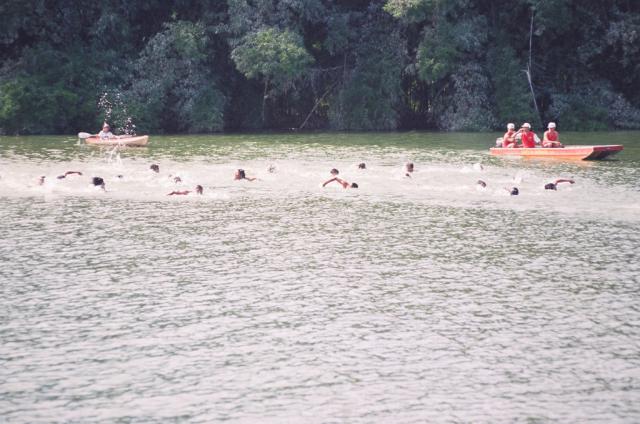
x=192 y=66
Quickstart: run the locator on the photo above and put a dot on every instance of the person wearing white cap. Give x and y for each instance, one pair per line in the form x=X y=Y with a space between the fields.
x=509 y=138
x=106 y=133
x=527 y=137
x=551 y=137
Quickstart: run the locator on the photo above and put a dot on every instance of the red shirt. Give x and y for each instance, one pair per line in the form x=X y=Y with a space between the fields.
x=508 y=138
x=528 y=139
x=552 y=135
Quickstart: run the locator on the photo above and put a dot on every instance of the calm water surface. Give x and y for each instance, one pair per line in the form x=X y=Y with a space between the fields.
x=406 y=300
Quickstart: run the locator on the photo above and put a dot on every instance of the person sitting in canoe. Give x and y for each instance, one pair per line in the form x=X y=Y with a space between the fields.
x=509 y=138
x=527 y=137
x=185 y=192
x=106 y=133
x=550 y=137
x=340 y=181
x=240 y=175
x=554 y=185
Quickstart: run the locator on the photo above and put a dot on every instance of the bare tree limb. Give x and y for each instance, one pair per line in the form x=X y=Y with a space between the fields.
x=317 y=104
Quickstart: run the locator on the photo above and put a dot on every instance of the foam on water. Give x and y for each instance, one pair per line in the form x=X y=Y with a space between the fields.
x=406 y=300
x=444 y=184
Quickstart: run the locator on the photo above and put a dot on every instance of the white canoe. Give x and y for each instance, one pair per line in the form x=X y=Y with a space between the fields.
x=121 y=141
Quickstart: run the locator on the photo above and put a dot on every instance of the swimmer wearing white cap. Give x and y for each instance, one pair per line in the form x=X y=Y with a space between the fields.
x=551 y=136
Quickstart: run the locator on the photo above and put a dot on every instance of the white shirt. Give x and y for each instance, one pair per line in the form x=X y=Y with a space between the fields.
x=105 y=135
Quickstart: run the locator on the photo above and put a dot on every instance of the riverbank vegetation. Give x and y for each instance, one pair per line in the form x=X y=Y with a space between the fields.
x=214 y=65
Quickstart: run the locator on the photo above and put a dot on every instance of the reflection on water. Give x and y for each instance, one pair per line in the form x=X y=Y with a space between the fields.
x=403 y=301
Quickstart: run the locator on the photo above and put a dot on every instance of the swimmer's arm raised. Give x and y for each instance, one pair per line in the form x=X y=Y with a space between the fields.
x=330 y=181
x=562 y=180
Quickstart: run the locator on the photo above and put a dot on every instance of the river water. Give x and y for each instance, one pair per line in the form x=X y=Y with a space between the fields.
x=423 y=299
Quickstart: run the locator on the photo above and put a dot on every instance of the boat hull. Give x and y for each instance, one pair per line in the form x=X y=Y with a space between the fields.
x=568 y=152
x=122 y=141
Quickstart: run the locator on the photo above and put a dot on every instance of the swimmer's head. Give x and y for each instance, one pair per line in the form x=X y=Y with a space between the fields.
x=155 y=168
x=240 y=175
x=514 y=191
x=482 y=183
x=511 y=126
x=105 y=127
x=550 y=186
x=362 y=165
x=334 y=171
x=177 y=180
x=354 y=185
x=410 y=167
x=41 y=180
x=120 y=176
x=199 y=189
x=271 y=169
x=98 y=182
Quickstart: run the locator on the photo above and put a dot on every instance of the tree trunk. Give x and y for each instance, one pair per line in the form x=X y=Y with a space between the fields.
x=264 y=100
x=529 y=66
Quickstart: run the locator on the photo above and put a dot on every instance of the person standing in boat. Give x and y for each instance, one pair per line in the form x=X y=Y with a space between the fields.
x=106 y=133
x=551 y=137
x=527 y=137
x=509 y=138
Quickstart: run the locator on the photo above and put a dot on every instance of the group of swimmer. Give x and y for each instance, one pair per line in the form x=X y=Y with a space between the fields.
x=529 y=139
x=240 y=174
x=514 y=191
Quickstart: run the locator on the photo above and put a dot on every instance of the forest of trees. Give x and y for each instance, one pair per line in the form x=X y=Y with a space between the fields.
x=198 y=66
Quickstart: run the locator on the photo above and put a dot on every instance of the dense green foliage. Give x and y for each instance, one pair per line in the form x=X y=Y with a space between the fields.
x=214 y=65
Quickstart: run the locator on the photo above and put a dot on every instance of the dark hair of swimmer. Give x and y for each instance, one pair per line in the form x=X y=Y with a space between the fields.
x=482 y=183
x=199 y=189
x=410 y=166
x=514 y=191
x=98 y=182
x=354 y=185
x=550 y=186
x=155 y=168
x=334 y=171
x=241 y=174
x=362 y=166
x=177 y=180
